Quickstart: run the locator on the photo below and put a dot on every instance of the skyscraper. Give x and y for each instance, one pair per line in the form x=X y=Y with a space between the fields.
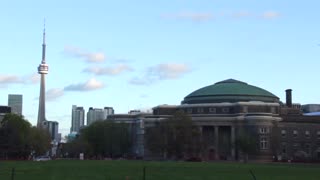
x=42 y=70
x=97 y=114
x=77 y=120
x=15 y=102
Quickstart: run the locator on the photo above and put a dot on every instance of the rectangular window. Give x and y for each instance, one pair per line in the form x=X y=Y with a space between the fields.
x=212 y=110
x=284 y=147
x=245 y=109
x=273 y=110
x=200 y=110
x=283 y=133
x=307 y=133
x=295 y=133
x=225 y=110
x=263 y=143
x=295 y=145
x=189 y=110
x=318 y=134
x=264 y=130
x=307 y=146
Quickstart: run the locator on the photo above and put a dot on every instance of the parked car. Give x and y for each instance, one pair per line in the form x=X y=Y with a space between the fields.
x=42 y=158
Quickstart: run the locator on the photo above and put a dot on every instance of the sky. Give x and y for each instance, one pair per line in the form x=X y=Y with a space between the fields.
x=137 y=54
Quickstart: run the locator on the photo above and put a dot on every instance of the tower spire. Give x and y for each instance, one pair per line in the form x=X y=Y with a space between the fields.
x=44 y=43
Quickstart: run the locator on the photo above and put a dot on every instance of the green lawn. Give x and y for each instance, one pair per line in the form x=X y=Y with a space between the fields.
x=119 y=170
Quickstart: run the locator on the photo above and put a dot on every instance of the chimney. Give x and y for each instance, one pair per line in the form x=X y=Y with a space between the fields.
x=289 y=97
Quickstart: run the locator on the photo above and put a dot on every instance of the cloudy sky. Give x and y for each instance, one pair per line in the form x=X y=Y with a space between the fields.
x=137 y=54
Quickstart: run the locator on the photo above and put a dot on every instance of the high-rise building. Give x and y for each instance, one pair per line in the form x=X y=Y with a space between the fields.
x=77 y=120
x=97 y=114
x=107 y=111
x=42 y=70
x=52 y=127
x=15 y=102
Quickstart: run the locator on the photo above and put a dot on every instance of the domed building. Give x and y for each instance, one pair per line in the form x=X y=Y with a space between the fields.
x=225 y=109
x=230 y=110
x=229 y=91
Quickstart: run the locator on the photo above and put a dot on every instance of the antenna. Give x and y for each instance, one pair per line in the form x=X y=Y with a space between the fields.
x=44 y=24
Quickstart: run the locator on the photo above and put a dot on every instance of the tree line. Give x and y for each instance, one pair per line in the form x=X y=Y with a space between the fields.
x=100 y=140
x=20 y=140
x=174 y=138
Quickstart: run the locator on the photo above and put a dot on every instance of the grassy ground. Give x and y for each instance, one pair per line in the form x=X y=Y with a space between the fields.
x=133 y=170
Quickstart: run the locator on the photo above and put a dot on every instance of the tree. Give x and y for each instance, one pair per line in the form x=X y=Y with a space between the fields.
x=176 y=137
x=19 y=140
x=39 y=141
x=246 y=143
x=14 y=130
x=106 y=138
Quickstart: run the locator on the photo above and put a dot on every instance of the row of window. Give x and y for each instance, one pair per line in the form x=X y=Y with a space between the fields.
x=211 y=110
x=295 y=134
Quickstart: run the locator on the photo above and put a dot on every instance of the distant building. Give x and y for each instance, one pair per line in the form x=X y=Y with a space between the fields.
x=52 y=127
x=3 y=111
x=107 y=111
x=311 y=108
x=77 y=119
x=97 y=114
x=15 y=102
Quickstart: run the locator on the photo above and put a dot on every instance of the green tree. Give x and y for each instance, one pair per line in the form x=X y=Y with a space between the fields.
x=39 y=141
x=176 y=137
x=14 y=131
x=246 y=143
x=107 y=138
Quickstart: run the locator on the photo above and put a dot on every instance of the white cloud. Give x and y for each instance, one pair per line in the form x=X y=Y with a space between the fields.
x=6 y=79
x=193 y=16
x=91 y=84
x=87 y=56
x=140 y=81
x=168 y=71
x=241 y=14
x=161 y=72
x=9 y=79
x=112 y=71
x=31 y=79
x=270 y=15
x=202 y=16
x=53 y=94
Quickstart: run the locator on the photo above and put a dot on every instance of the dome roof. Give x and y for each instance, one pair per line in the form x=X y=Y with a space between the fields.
x=229 y=91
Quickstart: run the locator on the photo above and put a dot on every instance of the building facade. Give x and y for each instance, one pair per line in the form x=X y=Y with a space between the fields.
x=97 y=114
x=230 y=109
x=3 y=111
x=77 y=118
x=52 y=127
x=15 y=101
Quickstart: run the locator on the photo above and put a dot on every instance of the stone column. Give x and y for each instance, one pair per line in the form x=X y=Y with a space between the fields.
x=233 y=143
x=200 y=130
x=201 y=140
x=216 y=141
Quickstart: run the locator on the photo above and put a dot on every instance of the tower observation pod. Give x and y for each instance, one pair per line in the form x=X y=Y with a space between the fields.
x=43 y=68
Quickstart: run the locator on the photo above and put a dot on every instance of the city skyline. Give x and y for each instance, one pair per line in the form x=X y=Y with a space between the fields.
x=145 y=54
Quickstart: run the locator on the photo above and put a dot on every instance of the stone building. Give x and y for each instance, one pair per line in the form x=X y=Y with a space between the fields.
x=226 y=110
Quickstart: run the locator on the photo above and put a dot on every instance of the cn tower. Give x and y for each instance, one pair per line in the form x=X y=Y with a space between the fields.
x=42 y=70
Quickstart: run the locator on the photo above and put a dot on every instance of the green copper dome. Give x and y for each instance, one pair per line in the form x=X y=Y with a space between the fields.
x=229 y=91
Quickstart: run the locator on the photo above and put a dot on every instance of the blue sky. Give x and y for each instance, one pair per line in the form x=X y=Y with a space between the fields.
x=139 y=54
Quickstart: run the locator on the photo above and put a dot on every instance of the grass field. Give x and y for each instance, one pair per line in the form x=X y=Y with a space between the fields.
x=133 y=170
